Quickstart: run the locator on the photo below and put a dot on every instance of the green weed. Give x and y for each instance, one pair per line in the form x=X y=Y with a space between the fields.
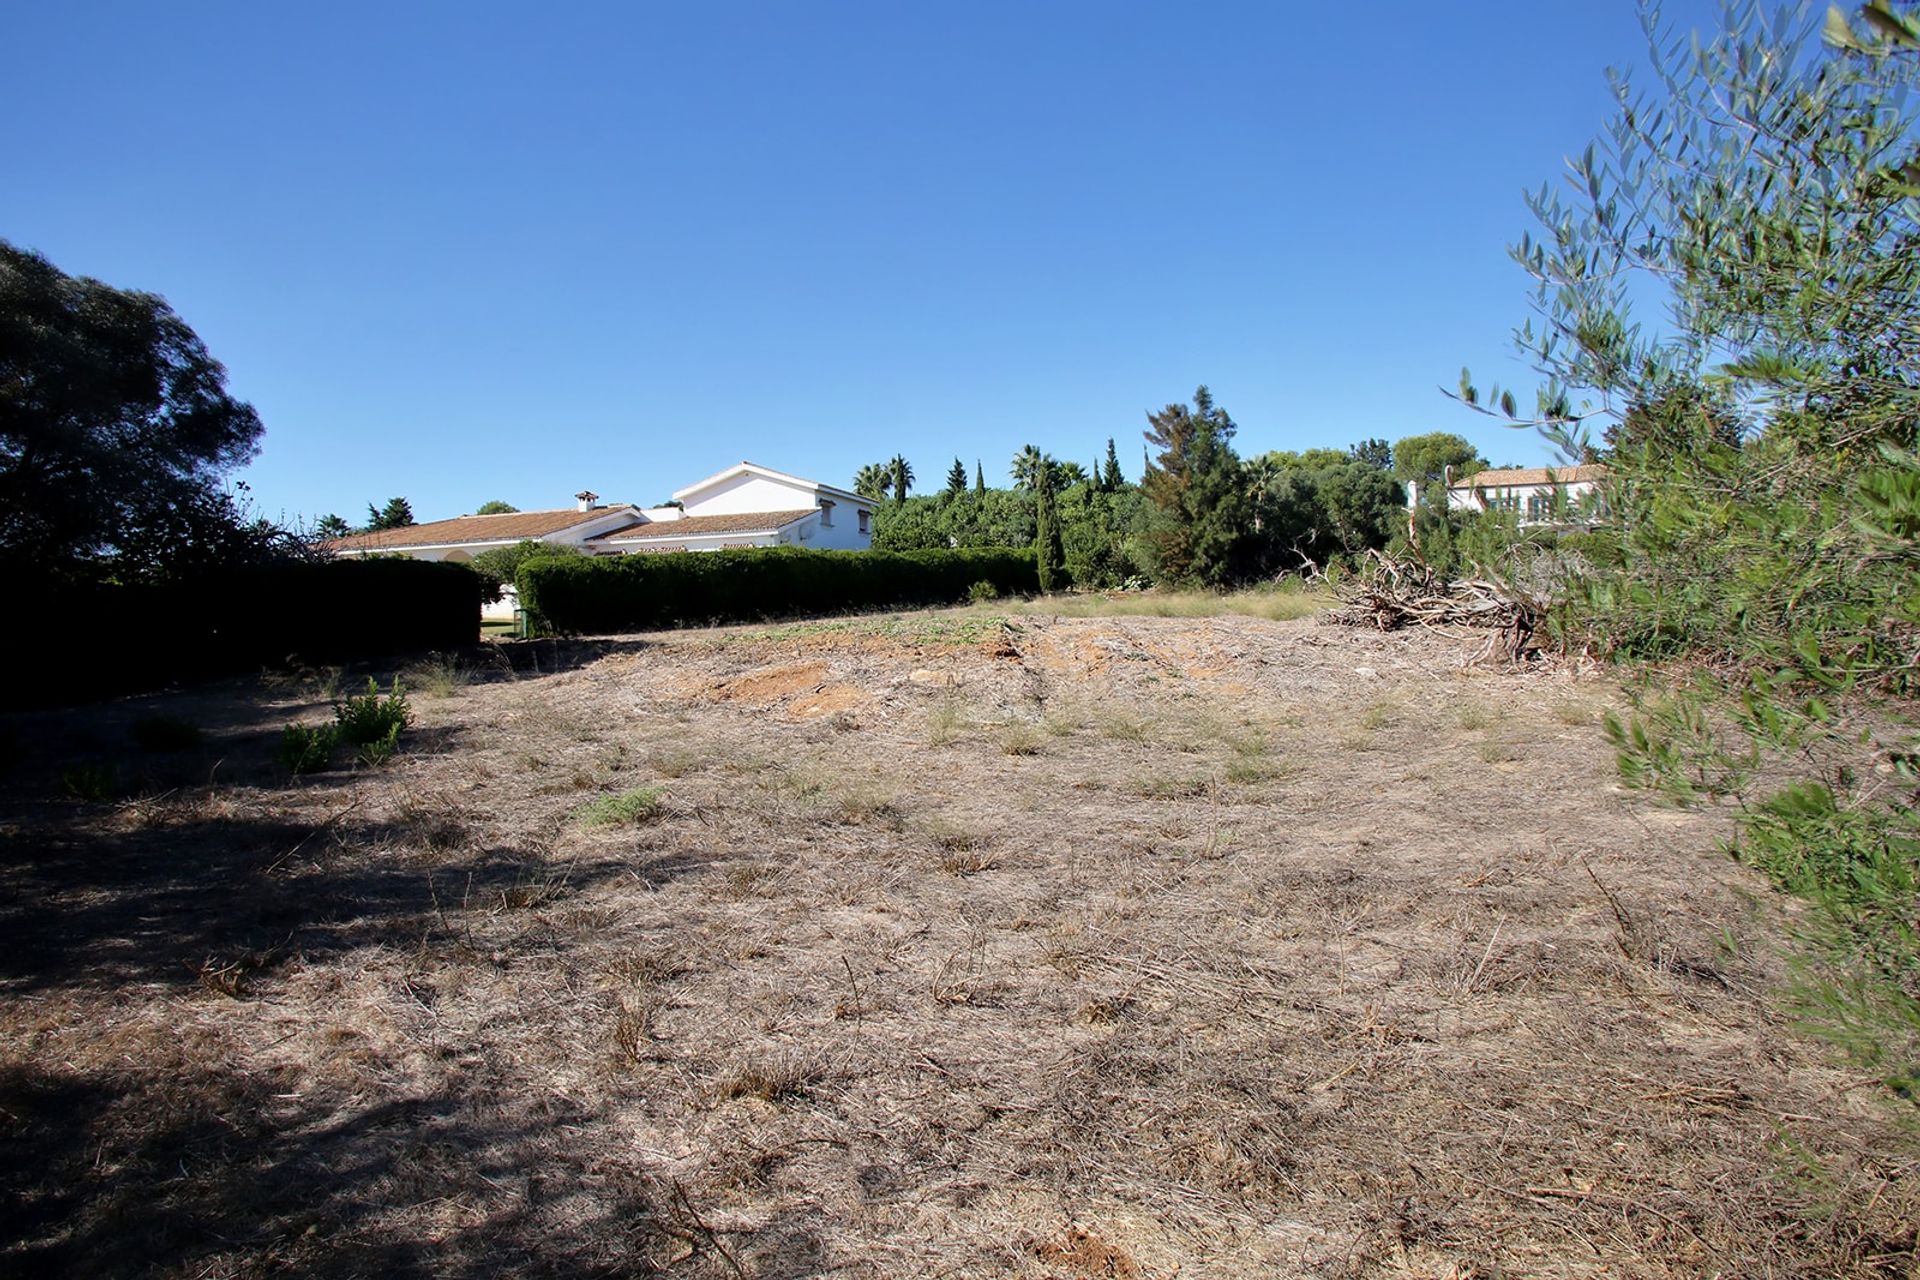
x=624 y=809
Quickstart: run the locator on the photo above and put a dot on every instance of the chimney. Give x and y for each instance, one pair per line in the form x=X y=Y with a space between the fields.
x=585 y=499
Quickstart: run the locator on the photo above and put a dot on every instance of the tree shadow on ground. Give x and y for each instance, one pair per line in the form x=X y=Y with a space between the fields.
x=161 y=1172
x=182 y=901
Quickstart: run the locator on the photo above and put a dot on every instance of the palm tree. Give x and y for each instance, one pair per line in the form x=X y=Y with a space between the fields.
x=872 y=480
x=900 y=475
x=1067 y=474
x=1263 y=476
x=1027 y=467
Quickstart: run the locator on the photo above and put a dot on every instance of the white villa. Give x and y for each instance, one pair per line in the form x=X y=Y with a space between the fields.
x=1537 y=495
x=747 y=505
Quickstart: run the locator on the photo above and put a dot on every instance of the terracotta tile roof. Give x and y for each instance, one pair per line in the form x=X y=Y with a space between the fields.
x=510 y=527
x=699 y=526
x=1533 y=475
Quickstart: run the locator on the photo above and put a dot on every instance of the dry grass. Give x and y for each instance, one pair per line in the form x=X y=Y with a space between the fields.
x=1285 y=603
x=1267 y=958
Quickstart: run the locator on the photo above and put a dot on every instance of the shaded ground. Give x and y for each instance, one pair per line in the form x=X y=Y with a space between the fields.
x=1116 y=947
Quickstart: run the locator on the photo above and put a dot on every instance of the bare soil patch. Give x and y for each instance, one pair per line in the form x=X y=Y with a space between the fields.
x=1090 y=947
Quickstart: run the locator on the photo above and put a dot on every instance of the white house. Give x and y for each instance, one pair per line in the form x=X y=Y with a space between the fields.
x=1537 y=495
x=747 y=505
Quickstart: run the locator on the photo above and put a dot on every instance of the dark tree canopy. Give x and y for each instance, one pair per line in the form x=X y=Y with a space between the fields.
x=397 y=514
x=495 y=507
x=957 y=477
x=1374 y=452
x=115 y=423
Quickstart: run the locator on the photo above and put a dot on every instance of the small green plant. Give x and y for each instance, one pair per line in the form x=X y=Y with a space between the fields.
x=627 y=808
x=165 y=733
x=370 y=720
x=379 y=751
x=982 y=592
x=90 y=782
x=307 y=748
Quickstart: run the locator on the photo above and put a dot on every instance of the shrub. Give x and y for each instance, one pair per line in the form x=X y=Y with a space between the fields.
x=307 y=748
x=982 y=592
x=91 y=782
x=370 y=720
x=636 y=593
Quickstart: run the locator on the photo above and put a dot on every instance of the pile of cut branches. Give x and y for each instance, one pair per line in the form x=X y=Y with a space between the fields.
x=1390 y=593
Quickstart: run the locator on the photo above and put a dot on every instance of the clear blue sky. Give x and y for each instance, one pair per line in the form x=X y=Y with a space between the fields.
x=474 y=251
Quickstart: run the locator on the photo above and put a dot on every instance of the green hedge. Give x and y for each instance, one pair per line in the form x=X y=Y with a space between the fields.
x=98 y=640
x=607 y=594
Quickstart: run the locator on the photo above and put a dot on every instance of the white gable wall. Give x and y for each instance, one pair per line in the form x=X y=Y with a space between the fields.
x=738 y=494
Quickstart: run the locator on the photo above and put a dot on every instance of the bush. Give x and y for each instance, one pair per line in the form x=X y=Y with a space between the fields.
x=368 y=723
x=306 y=748
x=639 y=593
x=372 y=718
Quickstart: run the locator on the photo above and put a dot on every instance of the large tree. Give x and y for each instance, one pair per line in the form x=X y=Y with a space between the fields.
x=1028 y=466
x=900 y=476
x=396 y=514
x=957 y=477
x=1050 y=557
x=1428 y=460
x=115 y=422
x=873 y=481
x=1197 y=487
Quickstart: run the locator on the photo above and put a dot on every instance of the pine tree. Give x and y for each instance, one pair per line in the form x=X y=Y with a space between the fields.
x=1050 y=556
x=957 y=477
x=397 y=514
x=1196 y=483
x=1110 y=477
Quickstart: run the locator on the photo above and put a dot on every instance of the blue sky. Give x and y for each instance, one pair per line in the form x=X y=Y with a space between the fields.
x=461 y=252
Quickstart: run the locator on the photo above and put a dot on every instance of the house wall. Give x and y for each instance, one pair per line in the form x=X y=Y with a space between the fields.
x=744 y=493
x=1467 y=498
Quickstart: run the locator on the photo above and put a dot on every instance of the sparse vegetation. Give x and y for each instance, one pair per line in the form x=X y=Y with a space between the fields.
x=624 y=809
x=828 y=943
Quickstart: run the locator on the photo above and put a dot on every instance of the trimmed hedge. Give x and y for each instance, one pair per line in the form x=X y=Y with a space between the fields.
x=606 y=594
x=94 y=641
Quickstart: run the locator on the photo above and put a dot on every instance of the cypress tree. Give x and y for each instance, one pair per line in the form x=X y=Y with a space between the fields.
x=979 y=477
x=1111 y=479
x=1050 y=555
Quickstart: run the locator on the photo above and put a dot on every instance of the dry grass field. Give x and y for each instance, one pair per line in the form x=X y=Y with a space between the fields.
x=960 y=944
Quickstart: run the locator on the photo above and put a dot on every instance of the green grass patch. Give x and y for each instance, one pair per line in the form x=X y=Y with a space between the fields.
x=623 y=809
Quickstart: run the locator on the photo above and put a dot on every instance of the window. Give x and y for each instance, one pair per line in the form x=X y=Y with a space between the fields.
x=826 y=514
x=864 y=517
